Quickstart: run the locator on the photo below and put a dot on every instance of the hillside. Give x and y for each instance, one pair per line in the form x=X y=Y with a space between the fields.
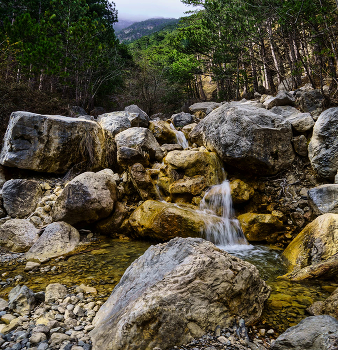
x=122 y=24
x=140 y=29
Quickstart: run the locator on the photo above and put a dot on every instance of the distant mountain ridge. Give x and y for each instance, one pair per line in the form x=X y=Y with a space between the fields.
x=140 y=29
x=122 y=23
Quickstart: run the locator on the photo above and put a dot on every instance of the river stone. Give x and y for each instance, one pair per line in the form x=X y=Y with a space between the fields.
x=162 y=132
x=114 y=122
x=88 y=198
x=163 y=221
x=312 y=333
x=330 y=306
x=260 y=227
x=52 y=144
x=20 y=197
x=324 y=199
x=323 y=148
x=301 y=122
x=21 y=300
x=137 y=145
x=249 y=138
x=182 y=119
x=142 y=117
x=315 y=245
x=3 y=304
x=173 y=289
x=58 y=238
x=18 y=235
x=54 y=292
x=281 y=99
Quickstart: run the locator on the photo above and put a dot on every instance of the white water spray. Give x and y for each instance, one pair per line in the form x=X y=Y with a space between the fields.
x=226 y=232
x=181 y=140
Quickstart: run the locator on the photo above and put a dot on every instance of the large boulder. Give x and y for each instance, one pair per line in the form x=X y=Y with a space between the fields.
x=137 y=145
x=313 y=333
x=18 y=235
x=260 y=227
x=323 y=148
x=301 y=122
x=52 y=144
x=88 y=198
x=175 y=292
x=20 y=197
x=249 y=138
x=311 y=101
x=21 y=300
x=136 y=115
x=58 y=238
x=189 y=173
x=162 y=132
x=182 y=119
x=163 y=221
x=314 y=249
x=284 y=111
x=114 y=122
x=324 y=199
x=283 y=98
x=204 y=108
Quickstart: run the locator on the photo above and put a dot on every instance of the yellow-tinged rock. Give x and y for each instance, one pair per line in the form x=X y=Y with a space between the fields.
x=317 y=243
x=241 y=192
x=164 y=221
x=43 y=320
x=259 y=227
x=162 y=132
x=13 y=324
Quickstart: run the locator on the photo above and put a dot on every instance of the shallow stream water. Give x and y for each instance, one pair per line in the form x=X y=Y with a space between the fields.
x=103 y=263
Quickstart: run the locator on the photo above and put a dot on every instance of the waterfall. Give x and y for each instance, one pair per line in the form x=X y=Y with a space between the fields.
x=181 y=140
x=226 y=232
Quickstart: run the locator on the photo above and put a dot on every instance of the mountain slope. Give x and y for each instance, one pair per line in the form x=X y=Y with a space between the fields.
x=121 y=24
x=140 y=29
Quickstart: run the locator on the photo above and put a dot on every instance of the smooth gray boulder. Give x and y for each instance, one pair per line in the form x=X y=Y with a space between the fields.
x=323 y=147
x=176 y=291
x=20 y=197
x=18 y=235
x=88 y=198
x=137 y=117
x=313 y=333
x=324 y=199
x=284 y=111
x=205 y=107
x=114 y=122
x=182 y=119
x=57 y=239
x=137 y=145
x=283 y=98
x=301 y=122
x=21 y=300
x=246 y=137
x=52 y=144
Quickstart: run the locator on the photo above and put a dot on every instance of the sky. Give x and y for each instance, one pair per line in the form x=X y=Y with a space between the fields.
x=145 y=9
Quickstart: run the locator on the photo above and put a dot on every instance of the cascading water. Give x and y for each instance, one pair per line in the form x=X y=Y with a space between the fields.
x=181 y=140
x=225 y=232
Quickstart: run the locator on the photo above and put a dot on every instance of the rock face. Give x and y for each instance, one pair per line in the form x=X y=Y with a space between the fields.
x=142 y=117
x=89 y=197
x=52 y=144
x=315 y=248
x=21 y=300
x=313 y=333
x=260 y=227
x=283 y=98
x=249 y=138
x=18 y=235
x=58 y=238
x=162 y=132
x=323 y=148
x=324 y=199
x=173 y=291
x=188 y=173
x=163 y=221
x=114 y=122
x=20 y=197
x=182 y=119
x=137 y=145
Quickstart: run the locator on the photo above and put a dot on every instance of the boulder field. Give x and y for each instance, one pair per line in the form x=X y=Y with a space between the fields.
x=130 y=176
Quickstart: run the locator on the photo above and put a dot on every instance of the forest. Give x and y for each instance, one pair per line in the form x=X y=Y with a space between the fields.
x=56 y=53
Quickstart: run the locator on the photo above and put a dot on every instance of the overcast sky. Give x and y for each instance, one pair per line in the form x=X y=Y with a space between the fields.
x=144 y=9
